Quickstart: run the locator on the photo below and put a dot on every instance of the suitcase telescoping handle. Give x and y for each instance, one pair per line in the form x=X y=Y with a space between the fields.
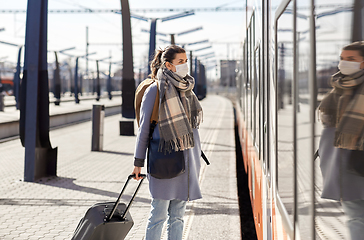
x=131 y=200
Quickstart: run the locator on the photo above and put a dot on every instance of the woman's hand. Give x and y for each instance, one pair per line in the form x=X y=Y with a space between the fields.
x=137 y=171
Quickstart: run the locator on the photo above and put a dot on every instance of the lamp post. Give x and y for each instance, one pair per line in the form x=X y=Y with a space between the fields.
x=77 y=100
x=57 y=77
x=57 y=82
x=128 y=83
x=98 y=85
x=109 y=86
x=40 y=157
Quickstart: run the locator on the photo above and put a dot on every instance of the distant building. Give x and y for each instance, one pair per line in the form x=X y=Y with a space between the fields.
x=228 y=73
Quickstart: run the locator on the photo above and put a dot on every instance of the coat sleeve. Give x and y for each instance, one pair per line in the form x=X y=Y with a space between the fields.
x=142 y=138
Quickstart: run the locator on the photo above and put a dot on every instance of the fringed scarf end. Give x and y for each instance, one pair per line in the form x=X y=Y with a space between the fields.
x=197 y=120
x=348 y=141
x=178 y=144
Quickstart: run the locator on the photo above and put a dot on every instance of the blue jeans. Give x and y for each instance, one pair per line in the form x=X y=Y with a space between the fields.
x=174 y=210
x=354 y=210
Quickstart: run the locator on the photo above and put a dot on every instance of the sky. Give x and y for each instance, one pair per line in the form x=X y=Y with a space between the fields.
x=66 y=30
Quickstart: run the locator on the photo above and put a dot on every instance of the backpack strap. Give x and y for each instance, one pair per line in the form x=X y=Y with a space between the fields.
x=139 y=93
x=154 y=117
x=316 y=155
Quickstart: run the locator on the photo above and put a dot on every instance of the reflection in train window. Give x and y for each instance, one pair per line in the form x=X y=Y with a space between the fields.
x=304 y=177
x=243 y=81
x=334 y=29
x=285 y=164
x=248 y=86
x=257 y=99
x=251 y=72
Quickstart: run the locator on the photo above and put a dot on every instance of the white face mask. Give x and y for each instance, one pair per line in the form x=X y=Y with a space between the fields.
x=181 y=69
x=348 y=67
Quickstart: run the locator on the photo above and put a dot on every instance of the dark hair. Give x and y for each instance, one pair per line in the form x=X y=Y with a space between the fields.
x=356 y=46
x=162 y=56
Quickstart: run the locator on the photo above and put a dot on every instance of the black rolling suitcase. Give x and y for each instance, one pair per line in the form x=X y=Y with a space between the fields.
x=107 y=221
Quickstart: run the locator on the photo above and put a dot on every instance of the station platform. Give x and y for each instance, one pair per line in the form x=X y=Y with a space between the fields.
x=51 y=208
x=68 y=112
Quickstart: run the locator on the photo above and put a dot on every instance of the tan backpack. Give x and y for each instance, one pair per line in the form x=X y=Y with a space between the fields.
x=139 y=93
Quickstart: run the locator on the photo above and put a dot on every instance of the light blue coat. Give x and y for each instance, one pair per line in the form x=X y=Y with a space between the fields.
x=185 y=186
x=338 y=182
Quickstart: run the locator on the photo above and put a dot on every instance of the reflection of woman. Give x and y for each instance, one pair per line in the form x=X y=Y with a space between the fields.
x=179 y=116
x=342 y=140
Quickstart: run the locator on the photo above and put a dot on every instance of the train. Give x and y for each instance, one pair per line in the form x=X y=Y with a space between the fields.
x=6 y=85
x=289 y=51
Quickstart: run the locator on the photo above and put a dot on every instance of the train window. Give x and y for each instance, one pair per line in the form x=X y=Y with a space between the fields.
x=252 y=75
x=285 y=113
x=248 y=87
x=257 y=99
x=304 y=151
x=243 y=81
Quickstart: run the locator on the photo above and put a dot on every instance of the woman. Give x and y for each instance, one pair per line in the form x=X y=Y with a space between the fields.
x=169 y=196
x=342 y=140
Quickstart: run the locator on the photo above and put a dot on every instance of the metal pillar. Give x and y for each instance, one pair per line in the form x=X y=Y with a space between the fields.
x=40 y=157
x=98 y=115
x=358 y=34
x=98 y=87
x=172 y=39
x=201 y=84
x=64 y=85
x=109 y=87
x=17 y=80
x=195 y=75
x=153 y=33
x=191 y=63
x=94 y=83
x=128 y=82
x=77 y=100
x=71 y=85
x=87 y=44
x=2 y=103
x=57 y=82
x=81 y=84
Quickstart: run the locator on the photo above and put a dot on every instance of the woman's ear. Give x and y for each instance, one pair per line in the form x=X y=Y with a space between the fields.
x=169 y=66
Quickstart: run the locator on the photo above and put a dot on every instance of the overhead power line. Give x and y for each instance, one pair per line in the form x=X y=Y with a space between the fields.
x=225 y=9
x=146 y=43
x=144 y=10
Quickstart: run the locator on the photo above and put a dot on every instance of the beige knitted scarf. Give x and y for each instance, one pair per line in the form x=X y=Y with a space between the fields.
x=343 y=108
x=179 y=111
